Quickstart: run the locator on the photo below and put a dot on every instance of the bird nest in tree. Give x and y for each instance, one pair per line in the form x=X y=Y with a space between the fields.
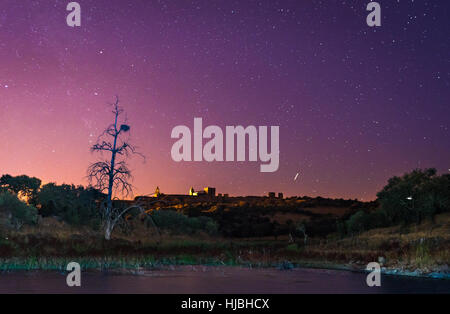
x=124 y=127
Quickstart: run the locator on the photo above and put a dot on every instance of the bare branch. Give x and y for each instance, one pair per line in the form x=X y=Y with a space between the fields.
x=141 y=209
x=113 y=176
x=102 y=146
x=98 y=175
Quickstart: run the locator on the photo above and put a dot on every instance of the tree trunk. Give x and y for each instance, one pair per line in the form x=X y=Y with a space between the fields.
x=108 y=229
x=109 y=205
x=108 y=219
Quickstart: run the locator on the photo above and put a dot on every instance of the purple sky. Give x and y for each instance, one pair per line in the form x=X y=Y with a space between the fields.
x=355 y=105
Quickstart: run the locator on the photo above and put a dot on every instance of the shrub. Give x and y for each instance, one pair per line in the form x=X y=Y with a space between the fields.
x=321 y=227
x=211 y=227
x=341 y=228
x=180 y=224
x=75 y=205
x=357 y=223
x=415 y=196
x=17 y=213
x=21 y=185
x=377 y=219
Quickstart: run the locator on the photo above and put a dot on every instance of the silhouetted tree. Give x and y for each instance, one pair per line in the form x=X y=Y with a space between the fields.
x=22 y=186
x=415 y=196
x=74 y=204
x=113 y=176
x=17 y=213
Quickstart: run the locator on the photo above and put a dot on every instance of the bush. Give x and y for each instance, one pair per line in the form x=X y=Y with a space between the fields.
x=23 y=186
x=17 y=213
x=75 y=205
x=180 y=224
x=357 y=223
x=362 y=221
x=415 y=196
x=321 y=227
x=377 y=219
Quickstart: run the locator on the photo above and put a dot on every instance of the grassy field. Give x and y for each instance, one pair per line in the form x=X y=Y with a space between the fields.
x=52 y=245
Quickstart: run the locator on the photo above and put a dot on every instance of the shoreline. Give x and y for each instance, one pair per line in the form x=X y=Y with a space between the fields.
x=120 y=266
x=390 y=271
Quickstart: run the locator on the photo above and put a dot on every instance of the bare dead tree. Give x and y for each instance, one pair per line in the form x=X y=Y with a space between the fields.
x=119 y=213
x=112 y=176
x=302 y=228
x=299 y=228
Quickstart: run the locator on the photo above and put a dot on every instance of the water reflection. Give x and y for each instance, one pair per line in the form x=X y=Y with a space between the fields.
x=216 y=280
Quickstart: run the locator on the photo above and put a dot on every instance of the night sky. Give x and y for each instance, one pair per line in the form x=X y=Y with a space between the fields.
x=355 y=105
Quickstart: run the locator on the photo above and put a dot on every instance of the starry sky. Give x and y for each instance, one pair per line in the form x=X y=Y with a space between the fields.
x=355 y=105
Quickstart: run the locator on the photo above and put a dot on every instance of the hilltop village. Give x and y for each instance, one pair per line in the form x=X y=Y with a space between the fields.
x=249 y=216
x=207 y=193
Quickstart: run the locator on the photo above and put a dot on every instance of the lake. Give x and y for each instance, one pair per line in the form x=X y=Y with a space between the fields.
x=218 y=280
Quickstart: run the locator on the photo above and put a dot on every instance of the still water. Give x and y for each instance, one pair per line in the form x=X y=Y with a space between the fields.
x=218 y=280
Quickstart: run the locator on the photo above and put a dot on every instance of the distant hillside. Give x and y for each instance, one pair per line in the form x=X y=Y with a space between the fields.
x=264 y=216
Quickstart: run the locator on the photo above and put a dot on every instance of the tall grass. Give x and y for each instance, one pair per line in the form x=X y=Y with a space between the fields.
x=110 y=263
